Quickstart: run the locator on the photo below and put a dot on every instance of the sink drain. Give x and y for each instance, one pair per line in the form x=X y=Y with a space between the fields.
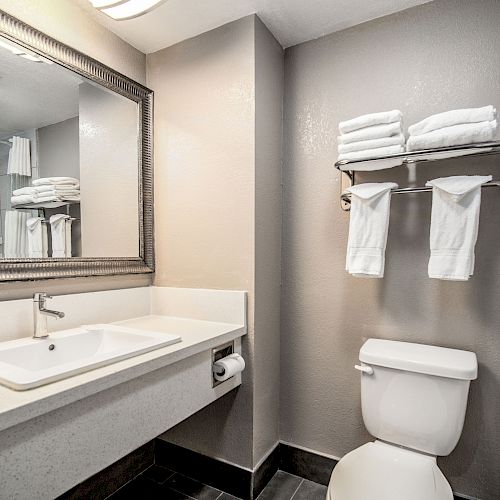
x=52 y=347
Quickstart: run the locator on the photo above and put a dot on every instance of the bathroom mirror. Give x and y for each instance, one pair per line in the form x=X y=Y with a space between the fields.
x=75 y=162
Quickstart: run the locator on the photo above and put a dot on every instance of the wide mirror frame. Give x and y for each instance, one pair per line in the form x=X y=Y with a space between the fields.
x=33 y=269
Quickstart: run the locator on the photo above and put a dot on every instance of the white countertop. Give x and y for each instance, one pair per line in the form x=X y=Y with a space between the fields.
x=197 y=336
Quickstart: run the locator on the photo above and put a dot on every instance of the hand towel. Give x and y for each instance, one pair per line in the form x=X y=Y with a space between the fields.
x=374 y=132
x=56 y=180
x=19 y=157
x=37 y=240
x=395 y=140
x=368 y=228
x=456 y=202
x=453 y=117
x=68 y=247
x=372 y=153
x=58 y=231
x=455 y=135
x=369 y=120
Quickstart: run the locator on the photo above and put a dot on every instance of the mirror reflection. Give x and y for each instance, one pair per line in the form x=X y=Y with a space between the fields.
x=69 y=183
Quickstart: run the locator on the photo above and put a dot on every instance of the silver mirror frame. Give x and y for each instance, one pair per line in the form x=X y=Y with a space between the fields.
x=34 y=269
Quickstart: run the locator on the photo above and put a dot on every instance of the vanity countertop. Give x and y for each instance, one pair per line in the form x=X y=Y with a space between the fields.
x=197 y=336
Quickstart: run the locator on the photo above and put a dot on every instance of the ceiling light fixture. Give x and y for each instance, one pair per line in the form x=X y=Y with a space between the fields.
x=122 y=10
x=18 y=51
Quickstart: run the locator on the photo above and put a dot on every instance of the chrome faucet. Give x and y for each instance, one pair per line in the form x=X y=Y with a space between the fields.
x=40 y=315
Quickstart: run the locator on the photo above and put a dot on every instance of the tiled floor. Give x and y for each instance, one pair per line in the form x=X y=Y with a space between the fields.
x=161 y=483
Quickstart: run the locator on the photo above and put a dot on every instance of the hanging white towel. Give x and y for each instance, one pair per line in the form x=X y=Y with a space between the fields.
x=369 y=133
x=456 y=135
x=37 y=240
x=456 y=203
x=368 y=228
x=15 y=235
x=19 y=157
x=369 y=120
x=58 y=231
x=68 y=237
x=372 y=153
x=395 y=140
x=453 y=117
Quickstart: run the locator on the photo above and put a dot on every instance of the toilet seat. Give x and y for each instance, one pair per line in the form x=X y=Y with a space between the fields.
x=381 y=471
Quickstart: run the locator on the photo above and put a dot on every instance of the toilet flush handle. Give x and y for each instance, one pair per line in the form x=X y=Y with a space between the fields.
x=365 y=369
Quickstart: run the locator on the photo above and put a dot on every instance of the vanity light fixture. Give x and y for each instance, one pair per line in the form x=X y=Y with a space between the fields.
x=18 y=51
x=121 y=10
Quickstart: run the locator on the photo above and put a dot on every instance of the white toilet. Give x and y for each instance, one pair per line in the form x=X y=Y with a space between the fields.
x=413 y=399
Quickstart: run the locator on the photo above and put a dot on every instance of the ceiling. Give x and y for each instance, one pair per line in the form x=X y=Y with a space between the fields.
x=291 y=21
x=34 y=94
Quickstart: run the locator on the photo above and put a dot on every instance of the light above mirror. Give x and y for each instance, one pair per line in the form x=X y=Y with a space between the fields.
x=121 y=10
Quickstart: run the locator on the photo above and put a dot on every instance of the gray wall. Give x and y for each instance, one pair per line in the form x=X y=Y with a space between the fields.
x=438 y=56
x=216 y=177
x=58 y=149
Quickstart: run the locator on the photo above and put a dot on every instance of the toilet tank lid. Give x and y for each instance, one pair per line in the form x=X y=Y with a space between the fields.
x=420 y=358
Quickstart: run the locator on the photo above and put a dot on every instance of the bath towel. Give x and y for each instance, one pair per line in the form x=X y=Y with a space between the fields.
x=374 y=132
x=456 y=135
x=456 y=203
x=372 y=153
x=369 y=120
x=453 y=117
x=368 y=228
x=395 y=140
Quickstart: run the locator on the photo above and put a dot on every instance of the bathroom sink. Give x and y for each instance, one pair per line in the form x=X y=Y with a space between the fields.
x=28 y=362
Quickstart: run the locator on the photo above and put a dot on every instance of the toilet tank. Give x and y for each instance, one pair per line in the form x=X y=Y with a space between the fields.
x=415 y=395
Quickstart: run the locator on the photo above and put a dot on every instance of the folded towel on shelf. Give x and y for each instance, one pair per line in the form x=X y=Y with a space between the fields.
x=456 y=135
x=35 y=190
x=456 y=203
x=56 y=181
x=453 y=117
x=369 y=120
x=37 y=238
x=58 y=229
x=368 y=228
x=369 y=133
x=395 y=140
x=372 y=153
x=22 y=199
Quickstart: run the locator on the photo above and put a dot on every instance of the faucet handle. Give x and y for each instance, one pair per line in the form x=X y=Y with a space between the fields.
x=41 y=296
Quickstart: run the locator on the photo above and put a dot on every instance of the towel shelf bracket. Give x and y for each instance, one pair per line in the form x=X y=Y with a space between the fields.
x=348 y=167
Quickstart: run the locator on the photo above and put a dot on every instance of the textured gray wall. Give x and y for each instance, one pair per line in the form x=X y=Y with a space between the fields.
x=424 y=60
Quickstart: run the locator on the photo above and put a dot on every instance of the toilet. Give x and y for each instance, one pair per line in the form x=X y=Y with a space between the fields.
x=413 y=400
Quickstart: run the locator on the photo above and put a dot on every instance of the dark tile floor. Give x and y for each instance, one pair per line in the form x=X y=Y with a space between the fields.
x=161 y=483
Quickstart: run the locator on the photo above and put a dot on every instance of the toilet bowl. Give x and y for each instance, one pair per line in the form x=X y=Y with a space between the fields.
x=413 y=400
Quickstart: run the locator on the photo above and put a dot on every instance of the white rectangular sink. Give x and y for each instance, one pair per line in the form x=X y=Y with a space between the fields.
x=28 y=362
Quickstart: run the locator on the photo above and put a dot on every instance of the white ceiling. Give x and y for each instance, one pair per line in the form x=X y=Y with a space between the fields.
x=291 y=21
x=34 y=94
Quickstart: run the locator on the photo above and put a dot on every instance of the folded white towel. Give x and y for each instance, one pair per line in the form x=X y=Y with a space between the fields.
x=368 y=228
x=22 y=199
x=456 y=202
x=369 y=120
x=453 y=117
x=37 y=238
x=58 y=229
x=374 y=132
x=43 y=190
x=56 y=180
x=456 y=135
x=372 y=153
x=395 y=140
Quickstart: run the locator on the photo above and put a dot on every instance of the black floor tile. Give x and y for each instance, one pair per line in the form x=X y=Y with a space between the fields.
x=158 y=474
x=193 y=488
x=139 y=488
x=281 y=487
x=310 y=491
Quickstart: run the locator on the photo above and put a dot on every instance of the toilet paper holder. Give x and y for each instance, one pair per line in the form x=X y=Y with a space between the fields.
x=220 y=352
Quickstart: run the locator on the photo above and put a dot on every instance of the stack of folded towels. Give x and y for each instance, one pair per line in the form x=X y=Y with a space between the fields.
x=48 y=189
x=372 y=135
x=453 y=128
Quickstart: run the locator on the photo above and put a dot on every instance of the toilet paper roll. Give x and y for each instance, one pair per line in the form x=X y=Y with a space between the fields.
x=227 y=367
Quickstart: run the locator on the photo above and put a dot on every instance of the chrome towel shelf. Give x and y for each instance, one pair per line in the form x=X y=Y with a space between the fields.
x=349 y=167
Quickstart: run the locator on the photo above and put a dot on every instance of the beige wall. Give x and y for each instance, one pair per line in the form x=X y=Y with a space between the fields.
x=66 y=22
x=428 y=59
x=207 y=169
